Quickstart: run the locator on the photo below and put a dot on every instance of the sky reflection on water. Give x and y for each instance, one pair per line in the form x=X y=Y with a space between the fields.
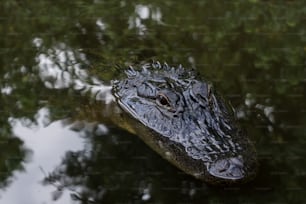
x=48 y=146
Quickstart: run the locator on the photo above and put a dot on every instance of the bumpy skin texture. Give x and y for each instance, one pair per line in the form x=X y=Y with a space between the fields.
x=187 y=122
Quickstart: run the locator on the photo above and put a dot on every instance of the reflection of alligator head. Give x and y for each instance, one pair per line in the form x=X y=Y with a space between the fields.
x=186 y=122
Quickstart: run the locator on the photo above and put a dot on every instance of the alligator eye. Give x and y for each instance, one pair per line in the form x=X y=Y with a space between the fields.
x=162 y=100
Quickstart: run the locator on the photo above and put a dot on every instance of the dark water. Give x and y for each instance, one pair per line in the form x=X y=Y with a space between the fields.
x=54 y=146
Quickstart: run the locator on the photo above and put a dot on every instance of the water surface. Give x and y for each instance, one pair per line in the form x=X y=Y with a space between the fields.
x=55 y=144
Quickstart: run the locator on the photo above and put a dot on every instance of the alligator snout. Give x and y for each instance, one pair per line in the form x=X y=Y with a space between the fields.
x=230 y=169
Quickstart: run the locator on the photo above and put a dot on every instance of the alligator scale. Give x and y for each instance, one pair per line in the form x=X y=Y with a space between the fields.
x=185 y=120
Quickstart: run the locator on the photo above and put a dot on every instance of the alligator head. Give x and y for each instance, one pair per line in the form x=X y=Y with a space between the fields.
x=187 y=122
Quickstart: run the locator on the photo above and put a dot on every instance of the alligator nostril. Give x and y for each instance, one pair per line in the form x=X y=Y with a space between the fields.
x=222 y=166
x=236 y=172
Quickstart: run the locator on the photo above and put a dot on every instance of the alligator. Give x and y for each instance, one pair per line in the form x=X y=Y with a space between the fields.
x=184 y=119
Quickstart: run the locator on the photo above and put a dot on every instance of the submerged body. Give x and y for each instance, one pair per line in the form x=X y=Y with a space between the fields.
x=184 y=120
